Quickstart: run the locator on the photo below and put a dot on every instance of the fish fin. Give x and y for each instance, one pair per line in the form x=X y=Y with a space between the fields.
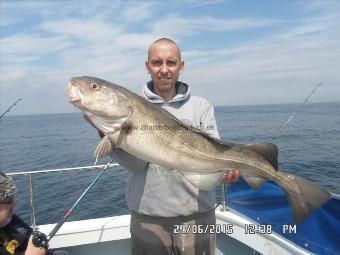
x=104 y=148
x=255 y=182
x=204 y=181
x=268 y=150
x=110 y=125
x=305 y=197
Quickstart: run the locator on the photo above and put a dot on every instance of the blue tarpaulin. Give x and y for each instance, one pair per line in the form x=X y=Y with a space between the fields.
x=319 y=234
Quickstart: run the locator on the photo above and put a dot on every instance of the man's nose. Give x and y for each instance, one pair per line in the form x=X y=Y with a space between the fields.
x=164 y=68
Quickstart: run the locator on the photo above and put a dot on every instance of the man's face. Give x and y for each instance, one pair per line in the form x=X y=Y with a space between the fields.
x=164 y=65
x=6 y=210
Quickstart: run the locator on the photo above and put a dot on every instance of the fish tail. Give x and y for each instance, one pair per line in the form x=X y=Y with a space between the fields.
x=303 y=196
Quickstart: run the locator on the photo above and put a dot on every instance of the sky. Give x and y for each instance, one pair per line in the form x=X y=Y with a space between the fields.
x=235 y=52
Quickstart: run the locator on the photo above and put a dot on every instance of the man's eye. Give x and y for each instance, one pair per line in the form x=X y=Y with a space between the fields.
x=171 y=63
x=156 y=63
x=94 y=85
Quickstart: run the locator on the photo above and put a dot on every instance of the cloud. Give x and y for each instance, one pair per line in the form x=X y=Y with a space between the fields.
x=321 y=8
x=32 y=44
x=282 y=63
x=180 y=26
x=92 y=30
x=279 y=68
x=136 y=11
x=199 y=3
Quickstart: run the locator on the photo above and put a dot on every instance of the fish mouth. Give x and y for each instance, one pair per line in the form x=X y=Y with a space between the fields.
x=75 y=101
x=75 y=95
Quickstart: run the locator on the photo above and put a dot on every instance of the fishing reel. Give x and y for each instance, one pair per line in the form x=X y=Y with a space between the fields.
x=39 y=240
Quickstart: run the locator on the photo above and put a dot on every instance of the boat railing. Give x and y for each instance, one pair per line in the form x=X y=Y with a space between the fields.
x=30 y=175
x=224 y=189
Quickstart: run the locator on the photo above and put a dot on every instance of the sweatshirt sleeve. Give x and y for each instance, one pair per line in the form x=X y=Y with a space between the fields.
x=127 y=160
x=207 y=119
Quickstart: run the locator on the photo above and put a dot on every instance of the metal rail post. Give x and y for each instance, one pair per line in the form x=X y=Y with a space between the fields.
x=30 y=186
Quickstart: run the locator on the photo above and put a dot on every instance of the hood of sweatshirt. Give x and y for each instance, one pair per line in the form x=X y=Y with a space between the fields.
x=182 y=93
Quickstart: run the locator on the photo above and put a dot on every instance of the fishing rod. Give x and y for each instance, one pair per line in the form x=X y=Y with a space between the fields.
x=225 y=187
x=10 y=108
x=40 y=239
x=297 y=110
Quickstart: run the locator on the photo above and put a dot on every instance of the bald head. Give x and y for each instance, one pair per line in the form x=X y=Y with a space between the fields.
x=164 y=65
x=164 y=42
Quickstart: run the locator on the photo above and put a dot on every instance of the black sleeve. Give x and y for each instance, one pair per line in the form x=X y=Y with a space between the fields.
x=22 y=232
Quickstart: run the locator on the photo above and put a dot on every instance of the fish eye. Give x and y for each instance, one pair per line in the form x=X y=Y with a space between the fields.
x=94 y=85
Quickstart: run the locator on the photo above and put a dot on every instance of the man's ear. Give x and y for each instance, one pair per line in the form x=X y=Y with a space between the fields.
x=182 y=67
x=147 y=67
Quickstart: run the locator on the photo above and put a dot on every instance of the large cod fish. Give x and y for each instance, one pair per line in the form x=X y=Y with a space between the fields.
x=121 y=115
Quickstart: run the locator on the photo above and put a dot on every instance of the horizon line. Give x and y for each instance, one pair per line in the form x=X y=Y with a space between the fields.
x=215 y=106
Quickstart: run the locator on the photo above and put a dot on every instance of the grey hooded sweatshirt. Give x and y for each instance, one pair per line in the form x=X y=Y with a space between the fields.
x=156 y=191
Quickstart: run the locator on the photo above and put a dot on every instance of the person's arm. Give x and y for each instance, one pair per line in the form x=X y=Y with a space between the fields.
x=122 y=157
x=32 y=250
x=127 y=160
x=207 y=119
x=208 y=122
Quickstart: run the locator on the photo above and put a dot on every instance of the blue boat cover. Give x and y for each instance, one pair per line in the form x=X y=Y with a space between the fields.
x=319 y=234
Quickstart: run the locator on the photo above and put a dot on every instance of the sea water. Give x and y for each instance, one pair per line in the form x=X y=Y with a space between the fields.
x=309 y=146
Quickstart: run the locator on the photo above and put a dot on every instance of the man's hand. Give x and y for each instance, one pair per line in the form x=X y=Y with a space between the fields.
x=32 y=250
x=231 y=176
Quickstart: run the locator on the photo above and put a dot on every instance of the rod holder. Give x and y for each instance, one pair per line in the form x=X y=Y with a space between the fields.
x=224 y=193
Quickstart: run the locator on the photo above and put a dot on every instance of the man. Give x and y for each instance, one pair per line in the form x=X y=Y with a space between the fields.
x=15 y=235
x=162 y=203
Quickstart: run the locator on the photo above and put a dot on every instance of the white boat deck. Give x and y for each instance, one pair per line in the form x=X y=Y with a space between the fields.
x=111 y=235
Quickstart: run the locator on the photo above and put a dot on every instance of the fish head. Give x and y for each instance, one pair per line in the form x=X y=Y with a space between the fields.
x=99 y=99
